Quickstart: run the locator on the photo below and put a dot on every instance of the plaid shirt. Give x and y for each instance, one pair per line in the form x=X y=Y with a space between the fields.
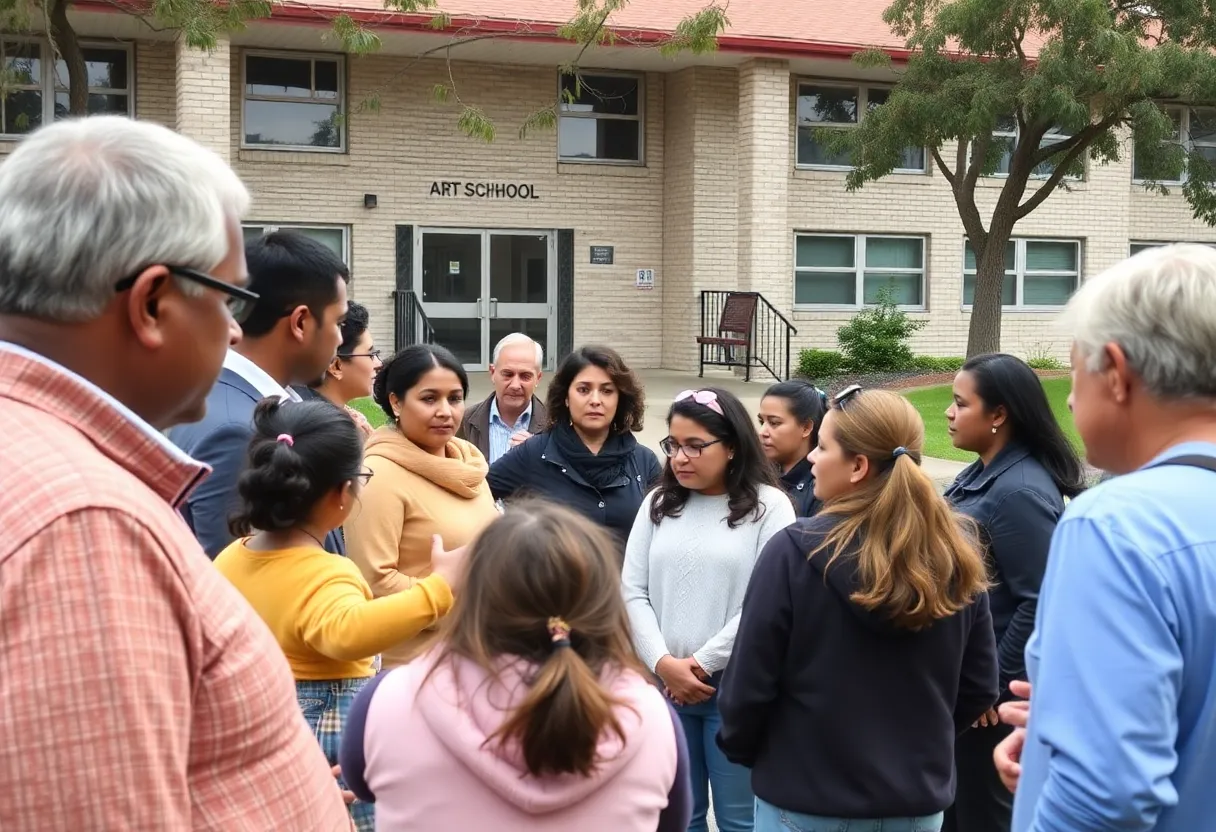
x=138 y=690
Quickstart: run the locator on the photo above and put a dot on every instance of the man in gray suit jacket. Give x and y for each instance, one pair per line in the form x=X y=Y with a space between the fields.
x=513 y=412
x=290 y=337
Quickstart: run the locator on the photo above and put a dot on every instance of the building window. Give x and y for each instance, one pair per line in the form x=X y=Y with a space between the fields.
x=1038 y=273
x=848 y=270
x=1005 y=136
x=600 y=118
x=1137 y=247
x=294 y=102
x=335 y=237
x=1195 y=130
x=36 y=91
x=841 y=108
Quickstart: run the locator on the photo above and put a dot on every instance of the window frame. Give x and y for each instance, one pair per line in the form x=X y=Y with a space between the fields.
x=859 y=269
x=47 y=83
x=1034 y=175
x=1020 y=274
x=312 y=57
x=639 y=119
x=863 y=104
x=1184 y=138
x=268 y=227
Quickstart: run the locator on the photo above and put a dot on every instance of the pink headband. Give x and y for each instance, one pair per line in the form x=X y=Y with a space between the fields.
x=705 y=397
x=286 y=437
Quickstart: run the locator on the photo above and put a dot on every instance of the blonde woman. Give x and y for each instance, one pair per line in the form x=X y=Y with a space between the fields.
x=865 y=643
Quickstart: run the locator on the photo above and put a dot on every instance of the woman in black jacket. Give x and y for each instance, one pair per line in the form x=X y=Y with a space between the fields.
x=1015 y=492
x=589 y=458
x=865 y=644
x=790 y=413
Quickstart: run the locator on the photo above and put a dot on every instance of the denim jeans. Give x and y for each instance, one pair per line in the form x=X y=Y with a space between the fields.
x=771 y=819
x=734 y=803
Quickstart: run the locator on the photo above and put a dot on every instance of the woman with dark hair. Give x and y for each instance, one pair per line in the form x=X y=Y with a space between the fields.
x=531 y=712
x=687 y=564
x=1015 y=492
x=790 y=413
x=303 y=476
x=865 y=643
x=589 y=458
x=351 y=373
x=427 y=481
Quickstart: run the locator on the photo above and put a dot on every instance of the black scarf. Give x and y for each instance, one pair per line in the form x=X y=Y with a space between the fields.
x=601 y=470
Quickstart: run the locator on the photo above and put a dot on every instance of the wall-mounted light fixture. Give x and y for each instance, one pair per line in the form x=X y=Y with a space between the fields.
x=369 y=200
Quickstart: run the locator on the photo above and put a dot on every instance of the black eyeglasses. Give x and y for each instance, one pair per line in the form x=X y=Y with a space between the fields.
x=368 y=354
x=842 y=398
x=671 y=447
x=240 y=301
x=364 y=475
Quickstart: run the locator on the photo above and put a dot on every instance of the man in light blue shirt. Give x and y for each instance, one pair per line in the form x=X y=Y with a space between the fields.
x=512 y=413
x=1122 y=732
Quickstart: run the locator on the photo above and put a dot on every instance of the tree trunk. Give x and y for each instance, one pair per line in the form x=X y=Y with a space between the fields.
x=984 y=335
x=67 y=45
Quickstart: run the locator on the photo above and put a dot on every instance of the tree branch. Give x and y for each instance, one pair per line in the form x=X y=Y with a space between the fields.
x=1085 y=137
x=941 y=165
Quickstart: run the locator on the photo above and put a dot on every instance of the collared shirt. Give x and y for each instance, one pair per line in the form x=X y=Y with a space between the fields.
x=1123 y=660
x=501 y=432
x=256 y=376
x=129 y=668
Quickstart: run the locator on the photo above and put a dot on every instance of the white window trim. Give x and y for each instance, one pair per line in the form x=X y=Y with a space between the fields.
x=298 y=56
x=1019 y=273
x=640 y=118
x=48 y=87
x=1184 y=137
x=269 y=227
x=863 y=103
x=1013 y=134
x=860 y=270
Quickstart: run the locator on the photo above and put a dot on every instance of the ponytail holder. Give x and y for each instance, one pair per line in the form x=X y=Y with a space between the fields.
x=286 y=439
x=898 y=452
x=559 y=632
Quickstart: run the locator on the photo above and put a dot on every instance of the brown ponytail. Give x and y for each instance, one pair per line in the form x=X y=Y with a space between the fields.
x=537 y=561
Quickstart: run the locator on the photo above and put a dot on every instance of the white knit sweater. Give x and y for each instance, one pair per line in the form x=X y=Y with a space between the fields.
x=684 y=579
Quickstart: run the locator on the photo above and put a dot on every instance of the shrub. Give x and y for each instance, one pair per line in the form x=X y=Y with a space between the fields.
x=819 y=364
x=876 y=339
x=1040 y=357
x=938 y=363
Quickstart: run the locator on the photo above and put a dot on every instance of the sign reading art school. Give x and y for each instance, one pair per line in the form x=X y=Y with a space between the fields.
x=484 y=190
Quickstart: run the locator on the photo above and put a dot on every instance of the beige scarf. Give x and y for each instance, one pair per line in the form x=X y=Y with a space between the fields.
x=461 y=470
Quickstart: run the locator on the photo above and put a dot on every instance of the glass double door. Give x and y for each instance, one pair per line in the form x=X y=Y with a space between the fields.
x=477 y=287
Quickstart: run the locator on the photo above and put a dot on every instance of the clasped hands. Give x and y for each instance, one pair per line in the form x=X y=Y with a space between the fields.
x=685 y=682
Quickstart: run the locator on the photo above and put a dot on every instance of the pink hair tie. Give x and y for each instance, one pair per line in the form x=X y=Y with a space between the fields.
x=286 y=437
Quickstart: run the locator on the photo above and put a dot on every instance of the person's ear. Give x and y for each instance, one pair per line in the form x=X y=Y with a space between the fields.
x=335 y=369
x=143 y=304
x=1117 y=376
x=861 y=469
x=297 y=322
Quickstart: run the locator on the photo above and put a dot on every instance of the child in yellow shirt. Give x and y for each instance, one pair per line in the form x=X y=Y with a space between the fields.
x=302 y=479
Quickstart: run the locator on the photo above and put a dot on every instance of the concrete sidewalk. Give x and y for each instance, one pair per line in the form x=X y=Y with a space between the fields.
x=663 y=385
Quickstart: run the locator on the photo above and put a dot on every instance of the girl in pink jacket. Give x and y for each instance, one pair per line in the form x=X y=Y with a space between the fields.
x=530 y=713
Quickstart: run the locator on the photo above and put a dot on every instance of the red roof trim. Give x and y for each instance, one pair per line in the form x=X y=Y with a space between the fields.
x=537 y=31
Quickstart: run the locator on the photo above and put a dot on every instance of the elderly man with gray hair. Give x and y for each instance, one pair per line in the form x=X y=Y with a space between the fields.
x=1123 y=657
x=138 y=690
x=512 y=413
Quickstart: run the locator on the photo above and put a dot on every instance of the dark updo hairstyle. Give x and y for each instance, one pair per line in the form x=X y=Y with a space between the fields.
x=284 y=480
x=1003 y=380
x=631 y=402
x=806 y=403
x=401 y=372
x=745 y=473
x=352 y=328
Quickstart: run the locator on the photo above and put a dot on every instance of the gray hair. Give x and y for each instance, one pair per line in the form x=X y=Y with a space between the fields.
x=1160 y=308
x=87 y=202
x=519 y=338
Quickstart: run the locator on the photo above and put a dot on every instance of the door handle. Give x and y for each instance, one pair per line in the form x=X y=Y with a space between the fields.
x=479 y=313
x=493 y=307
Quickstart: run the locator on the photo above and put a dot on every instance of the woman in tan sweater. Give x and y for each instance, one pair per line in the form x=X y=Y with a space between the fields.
x=426 y=481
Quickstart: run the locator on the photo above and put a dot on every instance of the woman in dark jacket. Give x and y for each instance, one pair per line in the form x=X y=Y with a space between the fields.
x=1015 y=492
x=865 y=644
x=589 y=459
x=790 y=413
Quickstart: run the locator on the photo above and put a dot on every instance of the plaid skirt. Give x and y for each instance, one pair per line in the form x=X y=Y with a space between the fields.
x=326 y=706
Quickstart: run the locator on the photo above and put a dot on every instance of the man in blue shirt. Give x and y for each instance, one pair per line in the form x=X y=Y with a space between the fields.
x=512 y=413
x=1123 y=658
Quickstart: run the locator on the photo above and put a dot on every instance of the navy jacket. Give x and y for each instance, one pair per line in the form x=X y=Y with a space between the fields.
x=800 y=485
x=537 y=468
x=1017 y=505
x=221 y=439
x=837 y=711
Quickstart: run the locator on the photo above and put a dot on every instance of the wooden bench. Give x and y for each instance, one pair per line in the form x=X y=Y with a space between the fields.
x=734 y=331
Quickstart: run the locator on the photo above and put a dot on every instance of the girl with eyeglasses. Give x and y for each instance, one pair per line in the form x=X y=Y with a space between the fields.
x=687 y=565
x=303 y=477
x=865 y=643
x=351 y=373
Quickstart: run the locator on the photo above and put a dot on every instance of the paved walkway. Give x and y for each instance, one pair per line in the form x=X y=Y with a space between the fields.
x=663 y=385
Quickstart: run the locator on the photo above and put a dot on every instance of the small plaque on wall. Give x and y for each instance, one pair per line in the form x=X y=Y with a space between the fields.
x=601 y=255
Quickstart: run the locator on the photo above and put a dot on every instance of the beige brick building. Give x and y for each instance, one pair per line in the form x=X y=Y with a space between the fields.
x=665 y=178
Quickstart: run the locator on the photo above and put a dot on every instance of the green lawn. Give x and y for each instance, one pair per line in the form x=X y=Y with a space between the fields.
x=933 y=401
x=371 y=410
